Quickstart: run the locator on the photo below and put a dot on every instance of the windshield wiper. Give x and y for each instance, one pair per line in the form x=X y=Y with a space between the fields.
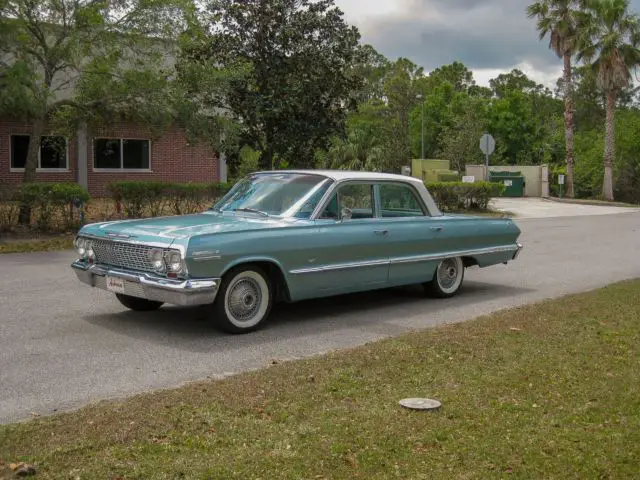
x=251 y=210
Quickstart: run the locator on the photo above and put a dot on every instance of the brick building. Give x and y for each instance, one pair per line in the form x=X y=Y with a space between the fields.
x=117 y=152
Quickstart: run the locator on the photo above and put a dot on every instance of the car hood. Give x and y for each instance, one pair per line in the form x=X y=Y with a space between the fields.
x=167 y=229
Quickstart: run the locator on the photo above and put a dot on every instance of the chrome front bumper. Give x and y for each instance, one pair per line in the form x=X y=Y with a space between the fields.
x=143 y=285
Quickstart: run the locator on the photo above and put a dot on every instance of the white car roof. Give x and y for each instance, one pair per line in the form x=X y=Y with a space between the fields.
x=350 y=175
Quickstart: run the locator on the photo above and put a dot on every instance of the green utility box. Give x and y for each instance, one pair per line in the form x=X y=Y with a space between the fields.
x=513 y=181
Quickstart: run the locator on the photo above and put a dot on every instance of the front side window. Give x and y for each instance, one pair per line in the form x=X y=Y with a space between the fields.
x=399 y=201
x=357 y=198
x=285 y=194
x=52 y=154
x=121 y=153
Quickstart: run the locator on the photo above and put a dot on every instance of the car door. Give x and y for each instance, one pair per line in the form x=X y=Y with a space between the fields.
x=413 y=236
x=349 y=252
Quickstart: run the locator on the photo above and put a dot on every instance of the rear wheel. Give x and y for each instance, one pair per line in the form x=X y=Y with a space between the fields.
x=138 y=304
x=447 y=279
x=243 y=301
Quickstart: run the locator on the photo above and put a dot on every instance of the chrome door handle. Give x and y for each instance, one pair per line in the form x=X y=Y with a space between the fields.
x=437 y=229
x=381 y=232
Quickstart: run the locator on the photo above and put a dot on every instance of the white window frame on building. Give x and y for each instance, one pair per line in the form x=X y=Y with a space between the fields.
x=121 y=147
x=39 y=167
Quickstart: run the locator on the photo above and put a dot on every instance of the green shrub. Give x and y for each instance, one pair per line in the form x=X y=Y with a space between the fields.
x=9 y=207
x=137 y=199
x=54 y=204
x=454 y=196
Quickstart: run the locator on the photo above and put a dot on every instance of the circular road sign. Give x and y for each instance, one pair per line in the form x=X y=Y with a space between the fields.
x=487 y=144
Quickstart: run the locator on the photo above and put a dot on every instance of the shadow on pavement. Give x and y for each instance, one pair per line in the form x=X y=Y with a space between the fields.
x=378 y=312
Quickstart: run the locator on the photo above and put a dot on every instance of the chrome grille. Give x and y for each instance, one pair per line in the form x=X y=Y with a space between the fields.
x=124 y=255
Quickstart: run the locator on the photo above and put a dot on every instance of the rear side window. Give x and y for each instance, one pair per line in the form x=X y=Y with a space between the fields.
x=397 y=200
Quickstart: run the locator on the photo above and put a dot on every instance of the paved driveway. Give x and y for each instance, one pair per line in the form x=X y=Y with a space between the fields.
x=63 y=344
x=541 y=208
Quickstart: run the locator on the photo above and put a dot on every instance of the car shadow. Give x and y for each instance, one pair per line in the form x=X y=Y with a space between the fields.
x=378 y=313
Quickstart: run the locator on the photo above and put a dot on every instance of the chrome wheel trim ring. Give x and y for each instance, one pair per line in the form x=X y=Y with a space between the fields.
x=449 y=274
x=246 y=299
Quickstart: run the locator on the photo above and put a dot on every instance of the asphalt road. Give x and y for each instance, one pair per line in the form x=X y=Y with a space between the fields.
x=63 y=344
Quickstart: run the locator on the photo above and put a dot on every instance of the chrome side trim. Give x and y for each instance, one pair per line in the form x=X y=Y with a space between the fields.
x=340 y=266
x=412 y=259
x=203 y=255
x=459 y=253
x=520 y=247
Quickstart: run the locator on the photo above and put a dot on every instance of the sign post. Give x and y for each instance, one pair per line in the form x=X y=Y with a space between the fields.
x=487 y=146
x=561 y=183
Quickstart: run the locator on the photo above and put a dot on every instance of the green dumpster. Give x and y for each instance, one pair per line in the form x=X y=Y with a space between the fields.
x=513 y=181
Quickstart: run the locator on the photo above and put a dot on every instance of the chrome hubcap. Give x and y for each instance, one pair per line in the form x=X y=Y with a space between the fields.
x=447 y=273
x=245 y=297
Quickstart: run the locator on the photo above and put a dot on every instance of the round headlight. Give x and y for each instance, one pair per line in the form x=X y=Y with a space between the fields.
x=156 y=260
x=174 y=261
x=81 y=246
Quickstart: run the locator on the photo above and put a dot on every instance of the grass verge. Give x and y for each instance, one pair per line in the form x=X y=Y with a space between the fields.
x=24 y=245
x=544 y=391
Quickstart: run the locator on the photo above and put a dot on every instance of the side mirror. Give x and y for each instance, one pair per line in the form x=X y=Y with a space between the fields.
x=346 y=214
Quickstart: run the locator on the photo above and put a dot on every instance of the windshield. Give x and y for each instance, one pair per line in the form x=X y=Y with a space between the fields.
x=276 y=194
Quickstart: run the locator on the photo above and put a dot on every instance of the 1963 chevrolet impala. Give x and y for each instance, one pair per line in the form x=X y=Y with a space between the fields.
x=289 y=236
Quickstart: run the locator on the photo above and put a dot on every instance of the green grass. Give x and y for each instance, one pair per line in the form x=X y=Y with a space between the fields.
x=23 y=245
x=545 y=391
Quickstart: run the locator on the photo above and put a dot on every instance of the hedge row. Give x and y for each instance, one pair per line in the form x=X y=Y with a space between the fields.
x=453 y=196
x=53 y=206
x=138 y=199
x=60 y=206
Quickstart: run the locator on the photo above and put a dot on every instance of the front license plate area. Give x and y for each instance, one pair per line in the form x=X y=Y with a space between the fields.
x=115 y=284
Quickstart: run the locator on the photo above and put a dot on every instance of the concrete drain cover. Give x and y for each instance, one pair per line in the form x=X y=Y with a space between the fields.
x=420 y=403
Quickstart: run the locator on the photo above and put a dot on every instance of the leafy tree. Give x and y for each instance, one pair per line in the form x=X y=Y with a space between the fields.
x=300 y=81
x=459 y=142
x=77 y=58
x=556 y=19
x=515 y=80
x=65 y=61
x=400 y=93
x=610 y=42
x=373 y=67
x=456 y=74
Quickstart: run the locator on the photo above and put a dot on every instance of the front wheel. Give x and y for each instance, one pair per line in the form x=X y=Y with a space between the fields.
x=138 y=304
x=243 y=301
x=447 y=279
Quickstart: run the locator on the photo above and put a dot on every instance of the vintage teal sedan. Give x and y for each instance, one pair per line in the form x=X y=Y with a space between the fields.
x=290 y=236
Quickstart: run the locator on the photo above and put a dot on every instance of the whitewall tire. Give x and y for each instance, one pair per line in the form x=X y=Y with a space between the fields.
x=447 y=278
x=244 y=300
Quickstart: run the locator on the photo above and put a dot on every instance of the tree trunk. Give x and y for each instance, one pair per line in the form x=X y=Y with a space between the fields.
x=568 y=123
x=609 y=147
x=31 y=166
x=266 y=159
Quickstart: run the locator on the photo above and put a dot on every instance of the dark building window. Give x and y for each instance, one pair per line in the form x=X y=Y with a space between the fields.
x=52 y=155
x=124 y=153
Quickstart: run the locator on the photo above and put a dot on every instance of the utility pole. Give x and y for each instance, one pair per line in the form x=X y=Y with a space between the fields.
x=421 y=98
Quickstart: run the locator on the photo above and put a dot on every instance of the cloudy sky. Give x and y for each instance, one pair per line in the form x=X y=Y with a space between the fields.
x=488 y=36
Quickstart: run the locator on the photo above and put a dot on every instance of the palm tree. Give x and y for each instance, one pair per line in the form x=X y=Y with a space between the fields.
x=557 y=20
x=359 y=151
x=610 y=42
